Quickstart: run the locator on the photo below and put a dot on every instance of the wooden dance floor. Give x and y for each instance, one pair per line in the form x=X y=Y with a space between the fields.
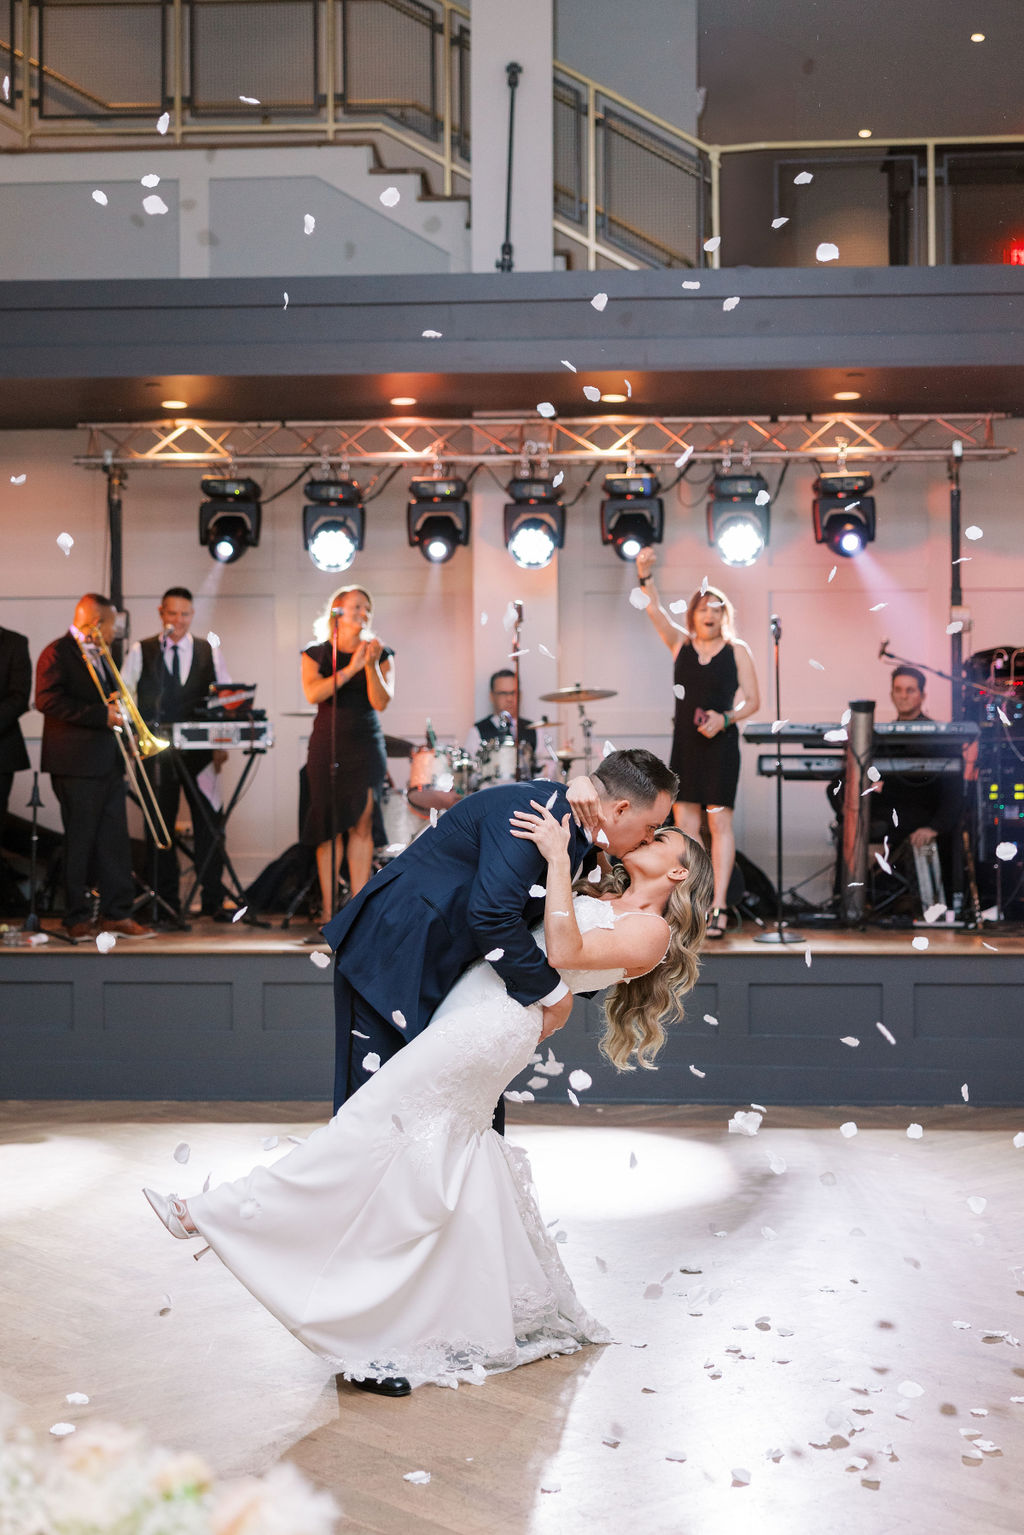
x=815 y=1334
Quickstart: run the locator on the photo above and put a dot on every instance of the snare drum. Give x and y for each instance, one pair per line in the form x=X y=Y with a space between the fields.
x=496 y=762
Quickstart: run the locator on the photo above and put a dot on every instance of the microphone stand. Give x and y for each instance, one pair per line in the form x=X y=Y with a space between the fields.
x=778 y=934
x=31 y=923
x=334 y=768
x=517 y=625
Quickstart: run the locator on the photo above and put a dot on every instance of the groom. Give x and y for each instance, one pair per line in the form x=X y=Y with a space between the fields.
x=462 y=891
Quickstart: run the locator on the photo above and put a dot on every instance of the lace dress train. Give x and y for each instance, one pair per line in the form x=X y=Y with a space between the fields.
x=404 y=1236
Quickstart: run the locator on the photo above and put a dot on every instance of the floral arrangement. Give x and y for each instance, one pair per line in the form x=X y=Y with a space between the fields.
x=105 y=1480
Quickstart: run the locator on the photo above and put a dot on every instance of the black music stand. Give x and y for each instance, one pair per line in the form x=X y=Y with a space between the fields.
x=779 y=933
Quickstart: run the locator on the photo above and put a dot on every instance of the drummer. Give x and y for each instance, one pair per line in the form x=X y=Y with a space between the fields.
x=498 y=726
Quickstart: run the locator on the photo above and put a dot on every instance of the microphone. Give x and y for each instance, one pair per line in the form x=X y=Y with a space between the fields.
x=775 y=624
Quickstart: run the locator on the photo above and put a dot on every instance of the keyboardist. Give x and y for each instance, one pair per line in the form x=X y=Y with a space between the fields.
x=911 y=808
x=171 y=674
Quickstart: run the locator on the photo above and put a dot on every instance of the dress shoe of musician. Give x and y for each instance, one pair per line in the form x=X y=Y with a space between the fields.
x=219 y=914
x=127 y=927
x=391 y=1385
x=80 y=931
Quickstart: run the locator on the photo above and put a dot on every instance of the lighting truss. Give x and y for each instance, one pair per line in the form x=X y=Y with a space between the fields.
x=505 y=438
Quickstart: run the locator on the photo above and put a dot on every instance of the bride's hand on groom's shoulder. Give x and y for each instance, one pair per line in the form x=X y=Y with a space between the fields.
x=539 y=826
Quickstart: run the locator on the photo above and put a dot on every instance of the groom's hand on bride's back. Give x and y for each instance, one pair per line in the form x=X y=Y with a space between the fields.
x=556 y=1016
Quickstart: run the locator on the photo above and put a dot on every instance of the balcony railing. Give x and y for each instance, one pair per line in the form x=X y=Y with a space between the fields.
x=630 y=189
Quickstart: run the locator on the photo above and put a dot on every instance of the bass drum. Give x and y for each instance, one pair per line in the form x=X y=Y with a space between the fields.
x=401 y=823
x=496 y=763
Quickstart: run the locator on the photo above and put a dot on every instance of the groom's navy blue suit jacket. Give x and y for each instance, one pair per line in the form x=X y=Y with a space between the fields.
x=459 y=892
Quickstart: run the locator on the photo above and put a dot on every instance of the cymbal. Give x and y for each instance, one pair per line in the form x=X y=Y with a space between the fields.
x=395 y=746
x=566 y=755
x=577 y=695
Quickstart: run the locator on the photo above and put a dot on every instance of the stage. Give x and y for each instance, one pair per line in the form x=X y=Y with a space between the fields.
x=244 y=1013
x=812 y=1333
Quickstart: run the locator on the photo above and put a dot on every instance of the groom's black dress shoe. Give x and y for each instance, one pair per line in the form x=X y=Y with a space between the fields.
x=391 y=1385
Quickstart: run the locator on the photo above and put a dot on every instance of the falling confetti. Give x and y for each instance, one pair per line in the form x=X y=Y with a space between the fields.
x=629 y=388
x=778 y=223
x=559 y=477
x=601 y=838
x=740 y=1476
x=609 y=749
x=848 y=1039
x=390 y=197
x=691 y=284
x=580 y=1080
x=827 y=251
x=919 y=943
x=308 y=223
x=711 y=1019
x=1018 y=1140
x=730 y=303
x=163 y=122
x=77 y=1399
x=398 y=1019
x=974 y=532
x=684 y=457
x=285 y=301
x=762 y=498
x=150 y=180
x=910 y=1388
x=567 y=364
x=250 y=101
x=595 y=876
x=591 y=393
x=182 y=1152
x=934 y=912
x=698 y=1073
x=554 y=795
x=433 y=818
x=816 y=665
x=1006 y=851
x=848 y=1130
x=495 y=954
x=599 y=301
x=915 y=1132
x=955 y=627
x=268 y=1142
x=154 y=204
x=165 y=1307
x=61 y=1430
x=807 y=958
x=965 y=1092
x=546 y=409
x=105 y=942
x=976 y=1204
x=432 y=335
x=100 y=197
x=832 y=575
x=319 y=959
x=777 y=1164
x=885 y=1033
x=538 y=892
x=236 y=916
x=543 y=648
x=418 y=1478
x=679 y=690
x=804 y=179
x=713 y=243
x=371 y=1061
x=745 y=1122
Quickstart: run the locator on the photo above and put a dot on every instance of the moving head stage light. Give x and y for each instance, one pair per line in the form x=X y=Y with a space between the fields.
x=739 y=517
x=534 y=522
x=844 y=513
x=437 y=518
x=229 y=521
x=632 y=514
x=334 y=525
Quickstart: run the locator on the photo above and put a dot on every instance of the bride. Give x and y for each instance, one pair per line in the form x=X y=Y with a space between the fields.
x=402 y=1241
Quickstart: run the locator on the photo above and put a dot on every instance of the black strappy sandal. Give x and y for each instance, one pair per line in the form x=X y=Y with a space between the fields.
x=716 y=924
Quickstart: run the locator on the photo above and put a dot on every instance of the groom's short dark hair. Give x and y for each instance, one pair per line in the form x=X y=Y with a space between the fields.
x=636 y=775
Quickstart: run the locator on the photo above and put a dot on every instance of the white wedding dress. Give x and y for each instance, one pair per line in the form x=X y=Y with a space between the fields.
x=404 y=1237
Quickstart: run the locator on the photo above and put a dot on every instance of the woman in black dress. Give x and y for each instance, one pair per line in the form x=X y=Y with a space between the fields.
x=712 y=666
x=365 y=687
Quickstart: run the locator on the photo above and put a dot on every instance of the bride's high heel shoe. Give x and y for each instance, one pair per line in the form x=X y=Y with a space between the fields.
x=171 y=1212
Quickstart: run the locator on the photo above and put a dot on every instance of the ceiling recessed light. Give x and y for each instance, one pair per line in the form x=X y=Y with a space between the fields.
x=174 y=404
x=846 y=394
x=614 y=399
x=863 y=133
x=977 y=37
x=403 y=399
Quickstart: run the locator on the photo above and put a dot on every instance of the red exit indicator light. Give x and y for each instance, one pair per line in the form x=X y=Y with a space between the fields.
x=1013 y=254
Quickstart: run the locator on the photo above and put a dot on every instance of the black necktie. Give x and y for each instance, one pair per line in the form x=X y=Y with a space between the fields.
x=176 y=669
x=171 y=709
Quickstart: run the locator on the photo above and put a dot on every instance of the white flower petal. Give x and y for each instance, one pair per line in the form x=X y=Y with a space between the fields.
x=711 y=1019
x=390 y=197
x=61 y=1430
x=319 y=959
x=154 y=204
x=976 y=1204
x=638 y=598
x=150 y=180
x=567 y=364
x=494 y=955
x=965 y=1092
x=371 y=1061
x=100 y=197
x=848 y=1039
x=268 y=1142
x=974 y=532
x=182 y=1152
x=1006 y=851
x=77 y=1399
x=105 y=942
x=163 y=122
x=827 y=251
x=915 y=1132
x=713 y=243
x=308 y=223
x=730 y=303
x=591 y=393
x=697 y=1073
x=804 y=179
x=599 y=301
x=885 y=1033
x=418 y=1478
x=848 y=1129
x=432 y=335
x=580 y=1080
x=910 y=1388
x=920 y=942
x=690 y=284
x=778 y=223
x=545 y=408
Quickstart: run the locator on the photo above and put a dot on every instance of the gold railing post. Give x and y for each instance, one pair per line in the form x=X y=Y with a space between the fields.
x=177 y=66
x=930 y=193
x=446 y=86
x=330 y=51
x=715 y=160
x=591 y=177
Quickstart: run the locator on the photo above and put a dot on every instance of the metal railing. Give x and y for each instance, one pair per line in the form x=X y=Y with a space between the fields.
x=630 y=189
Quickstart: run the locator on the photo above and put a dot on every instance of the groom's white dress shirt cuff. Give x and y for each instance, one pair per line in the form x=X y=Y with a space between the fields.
x=560 y=991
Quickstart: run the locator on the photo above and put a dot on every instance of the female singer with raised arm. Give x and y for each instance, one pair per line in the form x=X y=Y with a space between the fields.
x=713 y=667
x=365 y=686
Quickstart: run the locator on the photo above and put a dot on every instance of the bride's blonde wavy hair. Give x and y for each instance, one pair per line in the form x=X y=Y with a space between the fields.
x=635 y=1010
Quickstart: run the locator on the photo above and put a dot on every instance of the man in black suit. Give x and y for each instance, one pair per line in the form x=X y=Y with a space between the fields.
x=81 y=755
x=15 y=692
x=171 y=674
x=463 y=890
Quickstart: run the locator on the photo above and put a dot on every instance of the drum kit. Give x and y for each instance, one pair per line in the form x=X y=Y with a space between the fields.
x=440 y=775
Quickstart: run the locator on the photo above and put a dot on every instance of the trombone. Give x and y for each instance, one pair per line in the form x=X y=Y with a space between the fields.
x=135 y=739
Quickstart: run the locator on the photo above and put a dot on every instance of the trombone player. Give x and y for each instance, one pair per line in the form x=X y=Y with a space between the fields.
x=83 y=758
